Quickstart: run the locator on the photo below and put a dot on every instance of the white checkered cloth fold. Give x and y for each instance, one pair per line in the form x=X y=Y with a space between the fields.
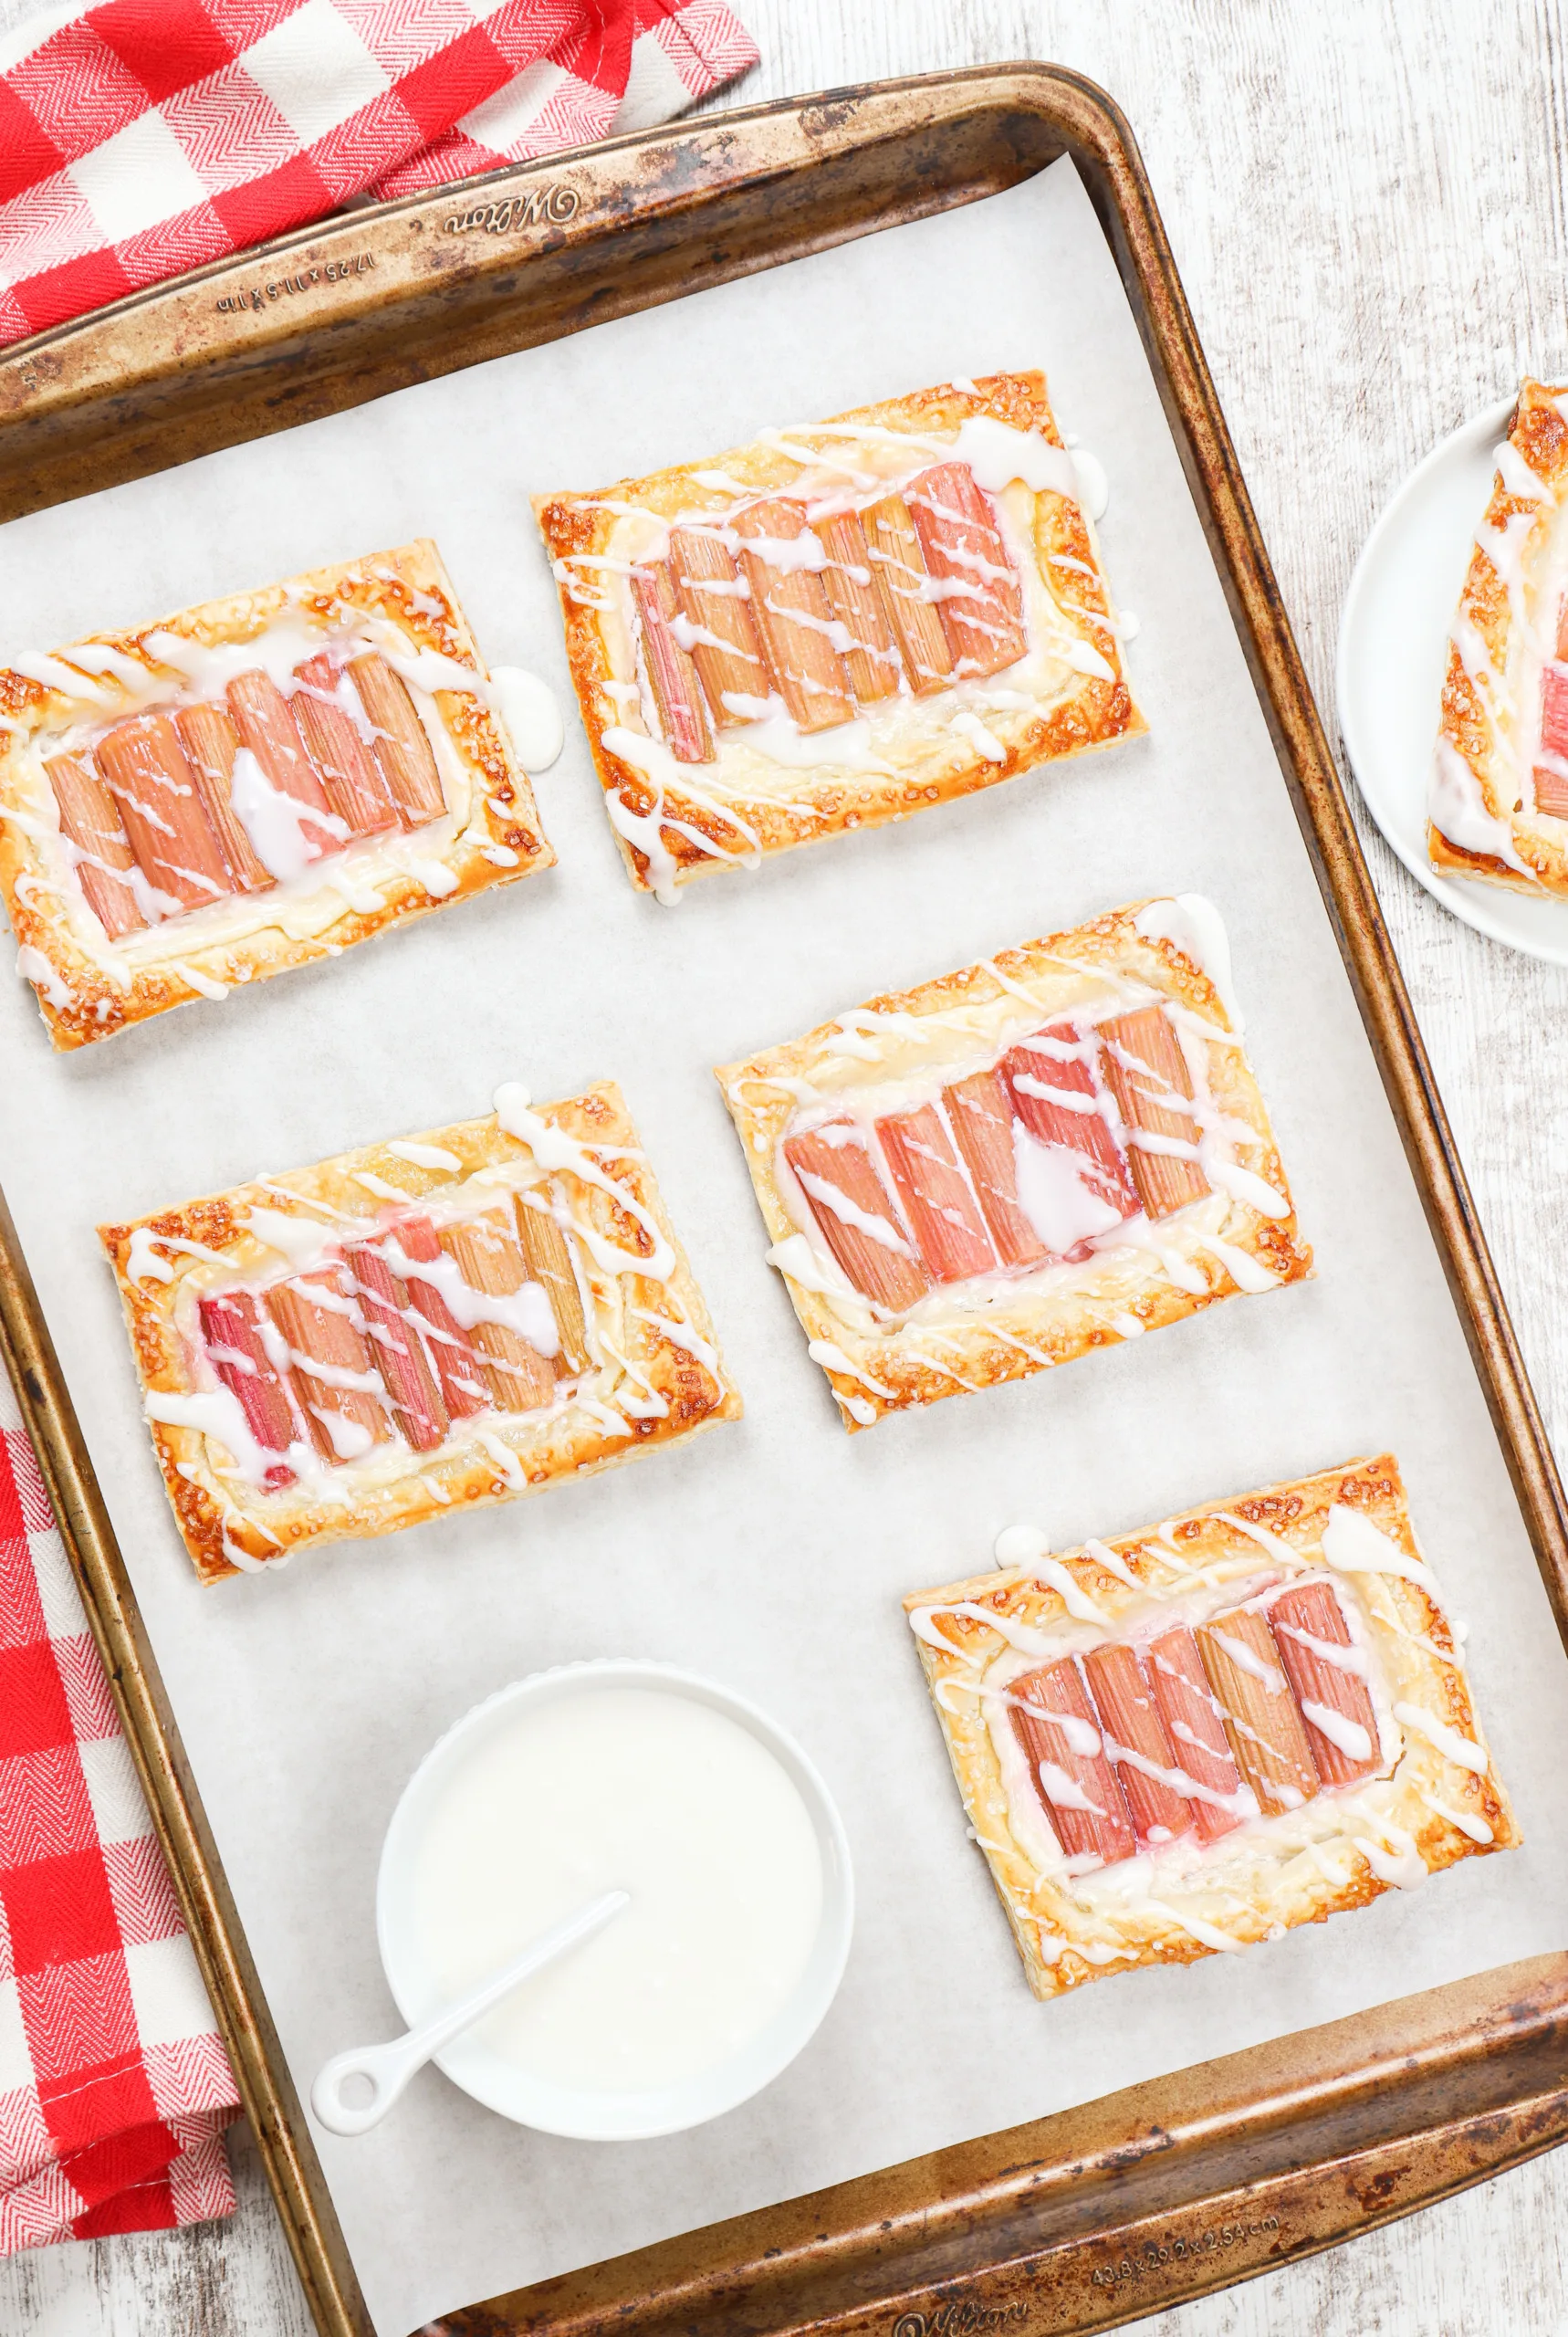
x=141 y=137
x=114 y=2084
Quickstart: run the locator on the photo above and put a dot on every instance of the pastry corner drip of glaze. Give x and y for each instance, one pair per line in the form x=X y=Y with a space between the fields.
x=840 y=623
x=254 y=783
x=449 y=1318
x=1194 y=1739
x=1497 y=792
x=1056 y=1148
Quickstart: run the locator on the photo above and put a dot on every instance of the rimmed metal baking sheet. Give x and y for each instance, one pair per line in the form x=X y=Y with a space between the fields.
x=721 y=199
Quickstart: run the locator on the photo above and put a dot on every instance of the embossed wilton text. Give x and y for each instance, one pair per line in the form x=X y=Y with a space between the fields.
x=956 y=2320
x=552 y=205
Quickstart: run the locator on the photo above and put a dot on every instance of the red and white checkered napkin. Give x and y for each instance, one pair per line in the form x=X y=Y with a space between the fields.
x=114 y=2085
x=144 y=137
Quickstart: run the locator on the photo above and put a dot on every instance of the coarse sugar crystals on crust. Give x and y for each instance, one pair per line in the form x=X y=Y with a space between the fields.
x=1498 y=806
x=1051 y=1150
x=839 y=624
x=425 y=1325
x=1146 y=1689
x=250 y=785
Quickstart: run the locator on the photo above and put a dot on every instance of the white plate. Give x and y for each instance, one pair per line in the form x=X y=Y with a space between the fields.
x=599 y=2116
x=1392 y=646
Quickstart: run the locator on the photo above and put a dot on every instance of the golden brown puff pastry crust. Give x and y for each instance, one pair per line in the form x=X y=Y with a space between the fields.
x=1422 y=1810
x=1484 y=821
x=942 y=1030
x=676 y=821
x=89 y=987
x=656 y=1376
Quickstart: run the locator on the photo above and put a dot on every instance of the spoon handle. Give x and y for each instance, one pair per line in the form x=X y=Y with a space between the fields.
x=387 y=2068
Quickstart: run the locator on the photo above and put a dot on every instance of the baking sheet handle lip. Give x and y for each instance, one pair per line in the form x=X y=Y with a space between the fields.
x=293 y=2173
x=359 y=219
x=59 y=343
x=1186 y=2209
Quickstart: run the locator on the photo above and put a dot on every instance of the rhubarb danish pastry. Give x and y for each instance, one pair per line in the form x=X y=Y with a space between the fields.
x=1192 y=1738
x=248 y=786
x=1054 y=1149
x=1498 y=809
x=836 y=625
x=413 y=1329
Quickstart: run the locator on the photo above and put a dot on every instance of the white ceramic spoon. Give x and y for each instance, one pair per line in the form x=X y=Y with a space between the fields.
x=388 y=2067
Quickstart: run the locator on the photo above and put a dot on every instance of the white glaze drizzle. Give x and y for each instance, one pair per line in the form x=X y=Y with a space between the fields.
x=1359 y=1818
x=309 y=894
x=1012 y=465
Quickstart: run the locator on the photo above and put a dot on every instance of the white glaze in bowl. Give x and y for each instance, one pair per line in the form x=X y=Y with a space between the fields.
x=594 y=2113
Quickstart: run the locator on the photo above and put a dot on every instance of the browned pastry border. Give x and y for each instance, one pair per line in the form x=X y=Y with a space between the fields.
x=877 y=1371
x=1085 y=712
x=1479 y=711
x=228 y=1525
x=1063 y=1945
x=80 y=1000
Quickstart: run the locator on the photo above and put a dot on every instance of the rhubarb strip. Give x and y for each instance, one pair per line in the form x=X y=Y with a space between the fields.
x=982 y=603
x=855 y=1215
x=457 y=1367
x=268 y=730
x=671 y=670
x=102 y=859
x=211 y=742
x=937 y=1203
x=981 y=1119
x=871 y=656
x=234 y=1330
x=403 y=754
x=396 y=1347
x=340 y=1387
x=1195 y=1726
x=151 y=782
x=1267 y=1735
x=1327 y=1673
x=549 y=1264
x=350 y=779
x=1148 y=1770
x=1148 y=1073
x=1056 y=1726
x=1552 y=784
x=1079 y=1184
x=1551 y=792
x=781 y=558
x=907 y=592
x=489 y=1258
x=715 y=600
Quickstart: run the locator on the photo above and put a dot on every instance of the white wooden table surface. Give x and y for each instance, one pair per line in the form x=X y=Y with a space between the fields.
x=1366 y=199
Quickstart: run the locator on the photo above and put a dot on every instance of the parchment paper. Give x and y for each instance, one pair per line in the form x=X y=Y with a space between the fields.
x=771 y=1554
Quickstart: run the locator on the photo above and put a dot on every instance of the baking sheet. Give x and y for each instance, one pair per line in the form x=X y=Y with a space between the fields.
x=772 y=1554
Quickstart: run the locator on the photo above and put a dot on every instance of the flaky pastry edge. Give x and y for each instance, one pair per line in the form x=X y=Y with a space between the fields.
x=228 y=1527
x=1050 y=1932
x=391 y=584
x=1475 y=720
x=891 y=1371
x=1090 y=714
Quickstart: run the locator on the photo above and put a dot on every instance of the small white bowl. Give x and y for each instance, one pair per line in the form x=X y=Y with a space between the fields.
x=595 y=2115
x=1392 y=650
